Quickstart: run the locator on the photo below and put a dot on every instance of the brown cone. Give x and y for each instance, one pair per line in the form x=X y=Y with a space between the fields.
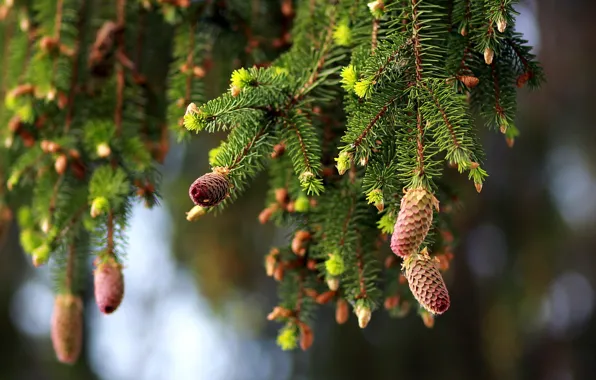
x=109 y=285
x=426 y=282
x=67 y=327
x=209 y=190
x=413 y=222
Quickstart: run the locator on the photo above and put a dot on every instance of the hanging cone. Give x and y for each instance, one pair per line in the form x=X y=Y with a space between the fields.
x=426 y=282
x=67 y=327
x=109 y=285
x=209 y=190
x=413 y=222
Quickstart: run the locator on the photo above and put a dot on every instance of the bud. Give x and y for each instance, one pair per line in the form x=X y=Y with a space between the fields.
x=67 y=327
x=299 y=242
x=199 y=72
x=306 y=336
x=311 y=264
x=391 y=302
x=311 y=293
x=469 y=81
x=266 y=214
x=413 y=221
x=510 y=141
x=428 y=319
x=334 y=265
x=278 y=274
x=364 y=161
x=270 y=263
x=235 y=91
x=333 y=283
x=377 y=8
x=286 y=8
x=99 y=206
x=302 y=203
x=325 y=297
x=341 y=311
x=426 y=282
x=45 y=225
x=501 y=24
x=195 y=213
x=286 y=339
x=279 y=312
x=41 y=255
x=209 y=190
x=364 y=314
x=478 y=186
x=278 y=151
x=343 y=162
x=53 y=147
x=61 y=164
x=489 y=54
x=103 y=150
x=109 y=285
x=523 y=79
x=463 y=31
x=503 y=128
x=281 y=196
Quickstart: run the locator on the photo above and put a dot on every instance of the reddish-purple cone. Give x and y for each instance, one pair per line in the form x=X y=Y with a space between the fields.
x=109 y=285
x=67 y=327
x=413 y=221
x=426 y=282
x=209 y=190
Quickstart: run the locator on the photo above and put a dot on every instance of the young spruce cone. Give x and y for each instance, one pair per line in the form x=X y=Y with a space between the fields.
x=109 y=285
x=209 y=190
x=67 y=327
x=426 y=282
x=413 y=222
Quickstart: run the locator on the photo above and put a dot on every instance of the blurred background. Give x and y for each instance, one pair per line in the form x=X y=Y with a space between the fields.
x=522 y=281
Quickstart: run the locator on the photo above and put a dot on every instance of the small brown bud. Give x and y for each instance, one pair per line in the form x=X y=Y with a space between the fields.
x=469 y=81
x=474 y=165
x=61 y=164
x=270 y=263
x=266 y=214
x=463 y=31
x=53 y=147
x=279 y=312
x=341 y=311
x=109 y=285
x=510 y=141
x=287 y=9
x=503 y=128
x=523 y=79
x=291 y=207
x=364 y=314
x=278 y=274
x=478 y=186
x=74 y=154
x=67 y=327
x=306 y=336
x=235 y=91
x=44 y=145
x=501 y=25
x=281 y=196
x=311 y=264
x=278 y=151
x=333 y=283
x=199 y=72
x=489 y=54
x=390 y=261
x=391 y=302
x=324 y=298
x=311 y=293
